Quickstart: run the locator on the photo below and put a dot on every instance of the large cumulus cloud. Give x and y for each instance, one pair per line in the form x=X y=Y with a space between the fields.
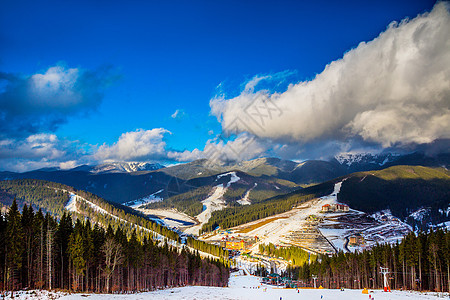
x=392 y=91
x=139 y=145
x=220 y=150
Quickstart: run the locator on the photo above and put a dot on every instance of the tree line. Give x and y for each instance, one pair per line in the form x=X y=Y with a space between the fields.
x=38 y=251
x=295 y=255
x=418 y=262
x=52 y=197
x=188 y=202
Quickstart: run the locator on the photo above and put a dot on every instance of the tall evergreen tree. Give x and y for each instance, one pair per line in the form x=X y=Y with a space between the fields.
x=14 y=246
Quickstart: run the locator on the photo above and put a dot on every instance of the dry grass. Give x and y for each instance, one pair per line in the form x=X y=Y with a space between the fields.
x=259 y=224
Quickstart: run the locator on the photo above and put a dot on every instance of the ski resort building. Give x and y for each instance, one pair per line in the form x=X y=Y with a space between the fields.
x=342 y=207
x=335 y=208
x=356 y=239
x=326 y=208
x=235 y=245
x=238 y=244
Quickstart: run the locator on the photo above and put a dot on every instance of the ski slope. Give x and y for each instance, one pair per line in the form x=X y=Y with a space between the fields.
x=241 y=287
x=213 y=202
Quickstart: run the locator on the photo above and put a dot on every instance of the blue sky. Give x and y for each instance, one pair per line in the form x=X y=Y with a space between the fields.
x=137 y=62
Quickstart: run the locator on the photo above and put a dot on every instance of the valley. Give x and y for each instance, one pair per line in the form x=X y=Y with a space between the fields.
x=310 y=228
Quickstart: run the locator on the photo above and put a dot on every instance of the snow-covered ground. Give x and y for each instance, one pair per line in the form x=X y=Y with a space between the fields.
x=210 y=204
x=248 y=287
x=420 y=214
x=72 y=205
x=145 y=200
x=308 y=227
x=278 y=231
x=213 y=202
x=234 y=178
x=170 y=217
x=245 y=200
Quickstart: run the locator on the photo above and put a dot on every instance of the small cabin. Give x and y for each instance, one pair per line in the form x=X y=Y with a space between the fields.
x=326 y=208
x=342 y=207
x=356 y=239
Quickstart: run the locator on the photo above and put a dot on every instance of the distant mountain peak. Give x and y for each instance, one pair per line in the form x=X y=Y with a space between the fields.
x=349 y=159
x=125 y=167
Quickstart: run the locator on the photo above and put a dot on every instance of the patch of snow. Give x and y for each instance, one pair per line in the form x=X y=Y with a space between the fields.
x=445 y=212
x=169 y=217
x=243 y=286
x=145 y=200
x=443 y=225
x=34 y=294
x=234 y=178
x=210 y=204
x=384 y=161
x=245 y=200
x=420 y=214
x=350 y=158
x=127 y=167
x=72 y=204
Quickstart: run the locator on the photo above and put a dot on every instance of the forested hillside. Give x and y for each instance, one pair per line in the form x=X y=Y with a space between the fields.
x=188 y=202
x=417 y=262
x=40 y=252
x=199 y=188
x=402 y=189
x=295 y=255
x=52 y=197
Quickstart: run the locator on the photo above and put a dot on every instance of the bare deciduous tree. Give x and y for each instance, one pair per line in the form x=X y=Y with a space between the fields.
x=113 y=258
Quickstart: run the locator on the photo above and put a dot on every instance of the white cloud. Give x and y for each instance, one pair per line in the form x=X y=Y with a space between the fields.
x=393 y=90
x=39 y=151
x=139 y=145
x=243 y=147
x=178 y=114
x=45 y=146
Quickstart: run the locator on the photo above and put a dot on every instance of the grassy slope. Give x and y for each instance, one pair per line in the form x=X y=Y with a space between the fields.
x=402 y=189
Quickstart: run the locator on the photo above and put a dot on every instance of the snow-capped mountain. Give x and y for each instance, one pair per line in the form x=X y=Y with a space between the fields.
x=364 y=160
x=125 y=167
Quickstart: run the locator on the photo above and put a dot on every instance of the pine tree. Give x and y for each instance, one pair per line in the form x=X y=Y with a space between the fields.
x=77 y=252
x=14 y=246
x=28 y=229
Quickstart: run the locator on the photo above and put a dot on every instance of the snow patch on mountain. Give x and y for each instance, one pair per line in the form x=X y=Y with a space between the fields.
x=420 y=214
x=234 y=178
x=213 y=202
x=145 y=200
x=125 y=167
x=72 y=205
x=445 y=212
x=349 y=159
x=245 y=200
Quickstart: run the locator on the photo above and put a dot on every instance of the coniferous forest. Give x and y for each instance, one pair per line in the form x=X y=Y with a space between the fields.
x=418 y=262
x=38 y=251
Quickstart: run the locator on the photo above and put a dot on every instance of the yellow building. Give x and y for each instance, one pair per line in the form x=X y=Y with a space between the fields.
x=235 y=245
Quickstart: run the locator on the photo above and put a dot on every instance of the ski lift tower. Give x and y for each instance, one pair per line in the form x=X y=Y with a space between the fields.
x=385 y=272
x=314 y=277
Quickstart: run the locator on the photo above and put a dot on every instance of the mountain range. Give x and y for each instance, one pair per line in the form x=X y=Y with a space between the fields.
x=183 y=186
x=123 y=182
